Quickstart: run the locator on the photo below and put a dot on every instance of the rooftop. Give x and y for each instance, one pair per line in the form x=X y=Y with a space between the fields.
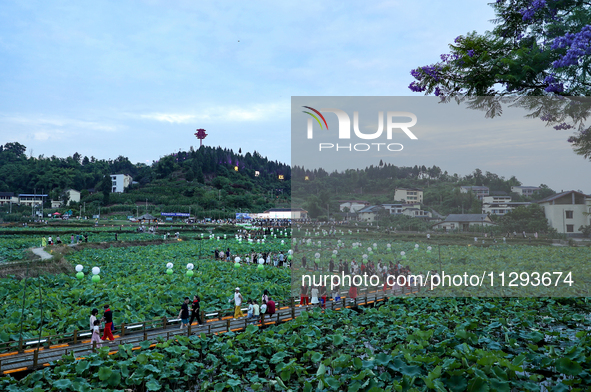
x=466 y=218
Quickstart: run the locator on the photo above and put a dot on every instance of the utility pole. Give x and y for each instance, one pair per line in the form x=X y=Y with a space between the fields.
x=146 y=206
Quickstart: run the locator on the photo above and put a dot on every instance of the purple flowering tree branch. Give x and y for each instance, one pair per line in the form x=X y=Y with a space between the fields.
x=538 y=48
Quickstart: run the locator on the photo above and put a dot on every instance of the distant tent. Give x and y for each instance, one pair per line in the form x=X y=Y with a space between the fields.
x=147 y=217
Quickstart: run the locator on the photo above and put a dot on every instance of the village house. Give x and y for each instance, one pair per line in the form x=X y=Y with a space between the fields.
x=566 y=211
x=463 y=222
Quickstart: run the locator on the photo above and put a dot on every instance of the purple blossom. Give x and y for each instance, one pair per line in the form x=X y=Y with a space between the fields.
x=437 y=91
x=553 y=85
x=417 y=88
x=458 y=39
x=577 y=45
x=547 y=117
x=563 y=126
x=416 y=74
x=528 y=13
x=470 y=53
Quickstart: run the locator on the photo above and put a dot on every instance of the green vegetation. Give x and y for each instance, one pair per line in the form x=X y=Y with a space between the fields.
x=408 y=344
x=320 y=193
x=134 y=282
x=204 y=181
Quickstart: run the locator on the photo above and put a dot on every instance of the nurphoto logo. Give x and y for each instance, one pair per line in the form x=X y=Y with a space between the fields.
x=345 y=129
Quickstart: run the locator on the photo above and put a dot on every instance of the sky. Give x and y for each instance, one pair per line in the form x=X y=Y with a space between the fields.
x=137 y=78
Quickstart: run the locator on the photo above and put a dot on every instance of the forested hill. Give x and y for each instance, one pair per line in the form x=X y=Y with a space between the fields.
x=220 y=177
x=315 y=189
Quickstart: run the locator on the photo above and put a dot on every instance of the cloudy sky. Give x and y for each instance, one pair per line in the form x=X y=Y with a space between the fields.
x=136 y=78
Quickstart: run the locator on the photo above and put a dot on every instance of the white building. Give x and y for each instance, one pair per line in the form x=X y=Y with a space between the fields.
x=408 y=195
x=502 y=208
x=414 y=212
x=352 y=205
x=369 y=214
x=500 y=205
x=7 y=198
x=120 y=182
x=463 y=222
x=524 y=190
x=479 y=191
x=73 y=196
x=566 y=211
x=282 y=213
x=30 y=199
x=56 y=203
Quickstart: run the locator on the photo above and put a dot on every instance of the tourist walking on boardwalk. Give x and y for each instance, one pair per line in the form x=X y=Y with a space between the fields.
x=93 y=318
x=238 y=303
x=304 y=295
x=184 y=313
x=249 y=312
x=314 y=294
x=265 y=296
x=270 y=307
x=96 y=337
x=196 y=310
x=255 y=311
x=263 y=307
x=108 y=319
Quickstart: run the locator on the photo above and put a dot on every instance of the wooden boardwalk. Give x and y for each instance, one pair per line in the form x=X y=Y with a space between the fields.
x=30 y=358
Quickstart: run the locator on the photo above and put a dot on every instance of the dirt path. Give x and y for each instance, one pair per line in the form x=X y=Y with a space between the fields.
x=41 y=253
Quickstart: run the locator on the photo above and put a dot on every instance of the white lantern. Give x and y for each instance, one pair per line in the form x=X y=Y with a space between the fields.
x=79 y=268
x=416 y=245
x=369 y=249
x=261 y=261
x=334 y=252
x=402 y=253
x=289 y=252
x=190 y=266
x=96 y=270
x=375 y=245
x=364 y=256
x=237 y=259
x=429 y=248
x=169 y=265
x=388 y=246
x=317 y=255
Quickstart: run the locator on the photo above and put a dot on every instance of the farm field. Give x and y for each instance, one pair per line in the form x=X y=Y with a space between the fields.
x=407 y=344
x=472 y=258
x=133 y=280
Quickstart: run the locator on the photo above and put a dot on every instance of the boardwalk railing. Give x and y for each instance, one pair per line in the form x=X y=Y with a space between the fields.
x=27 y=356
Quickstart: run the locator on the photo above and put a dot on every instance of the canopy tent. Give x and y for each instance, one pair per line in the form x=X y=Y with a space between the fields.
x=147 y=217
x=56 y=213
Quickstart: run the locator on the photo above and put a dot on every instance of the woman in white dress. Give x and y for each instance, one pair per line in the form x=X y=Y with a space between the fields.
x=314 y=294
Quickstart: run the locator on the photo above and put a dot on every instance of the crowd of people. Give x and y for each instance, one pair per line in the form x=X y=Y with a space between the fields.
x=186 y=315
x=74 y=239
x=277 y=259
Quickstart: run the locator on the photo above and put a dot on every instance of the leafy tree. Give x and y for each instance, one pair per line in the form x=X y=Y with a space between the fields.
x=530 y=219
x=189 y=176
x=538 y=48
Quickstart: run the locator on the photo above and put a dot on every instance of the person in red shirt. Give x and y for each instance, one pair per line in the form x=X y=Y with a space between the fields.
x=352 y=292
x=108 y=318
x=304 y=299
x=270 y=307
